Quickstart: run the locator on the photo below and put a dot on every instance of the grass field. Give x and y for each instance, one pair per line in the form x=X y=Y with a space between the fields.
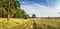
x=15 y=23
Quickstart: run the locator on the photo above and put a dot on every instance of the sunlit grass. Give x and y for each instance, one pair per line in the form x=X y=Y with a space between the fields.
x=17 y=23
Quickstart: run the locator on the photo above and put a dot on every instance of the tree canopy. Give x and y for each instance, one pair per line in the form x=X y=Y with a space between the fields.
x=33 y=16
x=15 y=9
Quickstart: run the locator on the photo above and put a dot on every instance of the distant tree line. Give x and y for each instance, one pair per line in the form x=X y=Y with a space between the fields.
x=50 y=17
x=15 y=9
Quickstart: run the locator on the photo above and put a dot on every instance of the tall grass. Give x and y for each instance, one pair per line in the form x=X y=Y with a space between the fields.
x=16 y=23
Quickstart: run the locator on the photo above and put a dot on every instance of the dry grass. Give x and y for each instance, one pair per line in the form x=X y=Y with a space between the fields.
x=17 y=23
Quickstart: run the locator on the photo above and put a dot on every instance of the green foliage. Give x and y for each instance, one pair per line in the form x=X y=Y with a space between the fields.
x=33 y=16
x=26 y=16
x=15 y=10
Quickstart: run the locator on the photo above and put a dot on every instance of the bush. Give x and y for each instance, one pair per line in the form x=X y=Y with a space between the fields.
x=26 y=16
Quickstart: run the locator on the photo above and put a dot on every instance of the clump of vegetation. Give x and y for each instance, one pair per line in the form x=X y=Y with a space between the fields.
x=35 y=26
x=33 y=16
x=26 y=16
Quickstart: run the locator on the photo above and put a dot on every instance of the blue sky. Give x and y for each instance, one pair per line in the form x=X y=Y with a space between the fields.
x=41 y=2
x=42 y=8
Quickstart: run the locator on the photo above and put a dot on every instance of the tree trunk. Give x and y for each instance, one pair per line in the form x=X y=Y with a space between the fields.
x=8 y=15
x=4 y=15
x=8 y=8
x=1 y=15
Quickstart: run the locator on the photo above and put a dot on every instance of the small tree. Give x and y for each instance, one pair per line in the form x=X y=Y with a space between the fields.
x=33 y=16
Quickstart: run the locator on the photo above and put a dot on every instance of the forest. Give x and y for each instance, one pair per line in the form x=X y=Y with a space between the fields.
x=15 y=10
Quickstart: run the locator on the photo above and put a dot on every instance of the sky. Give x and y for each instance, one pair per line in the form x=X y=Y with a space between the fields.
x=41 y=8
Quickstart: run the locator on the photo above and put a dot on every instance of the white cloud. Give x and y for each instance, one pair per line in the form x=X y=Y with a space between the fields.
x=40 y=10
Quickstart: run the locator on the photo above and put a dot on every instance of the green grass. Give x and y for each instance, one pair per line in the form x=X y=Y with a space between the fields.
x=15 y=23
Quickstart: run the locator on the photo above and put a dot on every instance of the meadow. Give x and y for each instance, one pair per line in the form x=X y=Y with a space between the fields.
x=31 y=23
